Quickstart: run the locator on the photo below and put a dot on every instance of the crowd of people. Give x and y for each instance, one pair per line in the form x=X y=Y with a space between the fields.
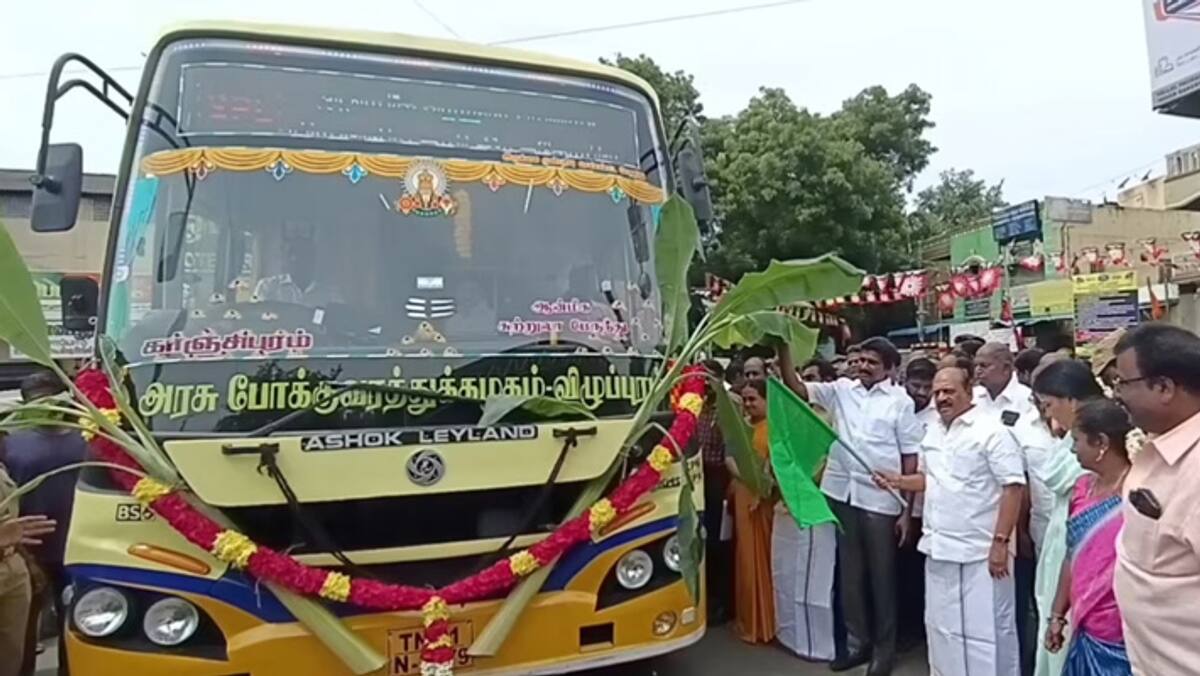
x=1027 y=513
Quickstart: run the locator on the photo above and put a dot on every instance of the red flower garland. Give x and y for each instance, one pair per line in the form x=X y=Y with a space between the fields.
x=266 y=564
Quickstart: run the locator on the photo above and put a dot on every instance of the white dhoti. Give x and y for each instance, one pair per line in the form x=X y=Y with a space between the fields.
x=970 y=620
x=802 y=567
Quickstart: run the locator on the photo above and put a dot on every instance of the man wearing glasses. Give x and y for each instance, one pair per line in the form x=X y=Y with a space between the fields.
x=1157 y=578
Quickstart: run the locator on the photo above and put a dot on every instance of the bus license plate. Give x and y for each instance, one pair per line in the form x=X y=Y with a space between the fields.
x=404 y=648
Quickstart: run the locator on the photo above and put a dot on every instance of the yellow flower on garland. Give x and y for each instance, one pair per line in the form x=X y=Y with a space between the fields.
x=446 y=641
x=147 y=490
x=660 y=458
x=601 y=514
x=336 y=587
x=234 y=548
x=523 y=563
x=692 y=403
x=435 y=609
x=91 y=427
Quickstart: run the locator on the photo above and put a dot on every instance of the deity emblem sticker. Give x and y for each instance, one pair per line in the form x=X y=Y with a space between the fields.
x=426 y=191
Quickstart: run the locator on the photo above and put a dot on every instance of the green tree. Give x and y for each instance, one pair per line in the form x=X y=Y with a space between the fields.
x=958 y=199
x=677 y=93
x=789 y=183
x=891 y=128
x=793 y=184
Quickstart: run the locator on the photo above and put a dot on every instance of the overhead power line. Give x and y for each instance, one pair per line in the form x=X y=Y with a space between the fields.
x=1131 y=172
x=436 y=19
x=69 y=71
x=512 y=41
x=648 y=22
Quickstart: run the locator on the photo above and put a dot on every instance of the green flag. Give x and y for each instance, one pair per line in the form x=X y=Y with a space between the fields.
x=800 y=442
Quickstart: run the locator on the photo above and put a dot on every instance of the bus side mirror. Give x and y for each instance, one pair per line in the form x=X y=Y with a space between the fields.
x=80 y=303
x=56 y=191
x=694 y=185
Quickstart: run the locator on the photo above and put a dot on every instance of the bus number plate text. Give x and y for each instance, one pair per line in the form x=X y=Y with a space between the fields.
x=404 y=648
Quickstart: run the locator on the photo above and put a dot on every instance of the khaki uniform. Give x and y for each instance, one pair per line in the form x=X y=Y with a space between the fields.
x=15 y=594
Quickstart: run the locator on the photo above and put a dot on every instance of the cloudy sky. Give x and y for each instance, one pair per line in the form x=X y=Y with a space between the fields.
x=1052 y=96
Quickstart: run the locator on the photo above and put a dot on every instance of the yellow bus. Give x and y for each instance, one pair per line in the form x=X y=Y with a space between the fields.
x=313 y=226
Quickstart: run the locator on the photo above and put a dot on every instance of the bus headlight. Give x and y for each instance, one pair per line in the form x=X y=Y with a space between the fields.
x=673 y=554
x=100 y=612
x=635 y=569
x=170 y=622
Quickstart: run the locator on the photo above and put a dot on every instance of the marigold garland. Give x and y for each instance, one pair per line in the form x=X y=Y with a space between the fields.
x=660 y=458
x=91 y=427
x=522 y=563
x=438 y=652
x=234 y=548
x=336 y=587
x=601 y=514
x=148 y=489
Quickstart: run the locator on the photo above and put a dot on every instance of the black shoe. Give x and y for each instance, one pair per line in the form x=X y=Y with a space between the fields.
x=850 y=661
x=880 y=667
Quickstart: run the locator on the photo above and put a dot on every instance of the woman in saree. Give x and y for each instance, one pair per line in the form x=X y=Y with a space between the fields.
x=754 y=595
x=1085 y=587
x=1060 y=386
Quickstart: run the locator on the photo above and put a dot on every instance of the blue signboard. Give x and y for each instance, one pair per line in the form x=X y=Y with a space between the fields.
x=1023 y=221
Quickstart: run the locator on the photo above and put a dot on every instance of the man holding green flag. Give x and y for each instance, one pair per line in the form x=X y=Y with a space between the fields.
x=804 y=536
x=877 y=430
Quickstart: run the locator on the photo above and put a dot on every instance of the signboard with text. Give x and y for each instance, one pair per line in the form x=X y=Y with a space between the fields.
x=1173 y=42
x=1021 y=221
x=1104 y=303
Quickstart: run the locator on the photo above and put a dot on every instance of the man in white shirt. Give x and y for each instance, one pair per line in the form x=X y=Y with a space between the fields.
x=877 y=420
x=997 y=388
x=973 y=478
x=1001 y=394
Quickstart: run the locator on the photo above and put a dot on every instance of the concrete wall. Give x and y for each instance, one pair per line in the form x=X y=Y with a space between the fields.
x=1112 y=224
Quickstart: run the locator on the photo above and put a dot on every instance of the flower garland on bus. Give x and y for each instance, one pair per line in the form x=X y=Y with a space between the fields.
x=266 y=564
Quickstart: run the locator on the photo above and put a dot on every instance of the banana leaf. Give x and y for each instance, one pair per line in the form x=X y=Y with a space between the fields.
x=496 y=409
x=738 y=440
x=752 y=328
x=691 y=542
x=22 y=323
x=787 y=282
x=677 y=240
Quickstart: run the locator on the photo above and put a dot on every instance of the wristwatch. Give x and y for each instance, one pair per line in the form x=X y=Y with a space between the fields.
x=1000 y=539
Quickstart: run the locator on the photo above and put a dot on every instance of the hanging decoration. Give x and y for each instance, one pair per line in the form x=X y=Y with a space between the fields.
x=266 y=564
x=512 y=170
x=1193 y=241
x=1152 y=252
x=970 y=283
x=1033 y=260
x=884 y=289
x=1118 y=257
x=1059 y=262
x=1088 y=261
x=945 y=299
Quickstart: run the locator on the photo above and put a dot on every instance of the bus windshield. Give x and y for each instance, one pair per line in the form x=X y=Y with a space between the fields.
x=325 y=203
